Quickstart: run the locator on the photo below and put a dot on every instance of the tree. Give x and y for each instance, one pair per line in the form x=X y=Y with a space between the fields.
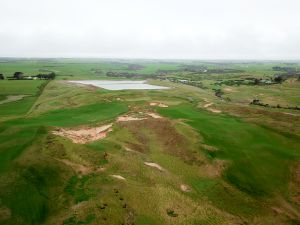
x=18 y=75
x=1 y=76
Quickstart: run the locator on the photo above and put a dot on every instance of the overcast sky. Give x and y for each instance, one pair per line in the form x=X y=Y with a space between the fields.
x=176 y=29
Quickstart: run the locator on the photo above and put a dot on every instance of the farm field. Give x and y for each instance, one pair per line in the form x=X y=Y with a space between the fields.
x=221 y=145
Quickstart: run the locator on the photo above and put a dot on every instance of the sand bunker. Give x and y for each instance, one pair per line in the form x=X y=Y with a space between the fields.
x=129 y=118
x=185 y=188
x=119 y=177
x=154 y=115
x=85 y=135
x=154 y=165
x=214 y=110
x=159 y=104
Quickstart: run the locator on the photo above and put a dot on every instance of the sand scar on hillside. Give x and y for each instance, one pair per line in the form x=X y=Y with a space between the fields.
x=208 y=107
x=84 y=135
x=208 y=104
x=129 y=118
x=154 y=115
x=185 y=188
x=154 y=165
x=214 y=110
x=159 y=104
x=119 y=177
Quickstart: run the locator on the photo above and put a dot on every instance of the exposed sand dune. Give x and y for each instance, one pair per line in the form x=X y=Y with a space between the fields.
x=208 y=104
x=84 y=135
x=154 y=115
x=129 y=118
x=154 y=165
x=214 y=110
x=119 y=177
x=159 y=104
x=185 y=188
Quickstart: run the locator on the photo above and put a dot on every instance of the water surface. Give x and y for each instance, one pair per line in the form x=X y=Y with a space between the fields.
x=121 y=84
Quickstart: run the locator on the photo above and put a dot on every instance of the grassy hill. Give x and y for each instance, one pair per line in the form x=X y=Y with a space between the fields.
x=176 y=156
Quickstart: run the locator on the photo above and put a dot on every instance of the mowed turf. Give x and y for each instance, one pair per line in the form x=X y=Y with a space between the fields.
x=256 y=154
x=31 y=90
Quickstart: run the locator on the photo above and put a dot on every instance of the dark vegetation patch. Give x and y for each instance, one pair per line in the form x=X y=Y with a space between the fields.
x=259 y=103
x=165 y=133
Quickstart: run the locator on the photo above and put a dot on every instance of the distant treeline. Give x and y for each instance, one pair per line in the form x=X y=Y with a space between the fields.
x=259 y=103
x=21 y=76
x=130 y=75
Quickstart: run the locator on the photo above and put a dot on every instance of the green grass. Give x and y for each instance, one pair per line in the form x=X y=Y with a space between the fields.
x=20 y=87
x=257 y=155
x=17 y=134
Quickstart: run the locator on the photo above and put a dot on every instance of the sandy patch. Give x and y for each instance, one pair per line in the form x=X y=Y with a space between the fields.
x=129 y=118
x=130 y=150
x=154 y=115
x=154 y=165
x=208 y=104
x=185 y=188
x=159 y=104
x=85 y=135
x=228 y=89
x=214 y=110
x=119 y=177
x=12 y=98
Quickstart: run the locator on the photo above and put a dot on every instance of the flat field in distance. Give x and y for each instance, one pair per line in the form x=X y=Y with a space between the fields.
x=220 y=146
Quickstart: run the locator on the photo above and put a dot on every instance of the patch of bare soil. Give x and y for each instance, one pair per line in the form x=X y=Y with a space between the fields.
x=129 y=118
x=130 y=150
x=84 y=135
x=154 y=115
x=185 y=188
x=214 y=110
x=159 y=104
x=119 y=177
x=208 y=104
x=154 y=165
x=12 y=98
x=229 y=89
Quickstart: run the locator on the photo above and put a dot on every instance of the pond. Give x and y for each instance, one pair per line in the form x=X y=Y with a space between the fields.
x=120 y=84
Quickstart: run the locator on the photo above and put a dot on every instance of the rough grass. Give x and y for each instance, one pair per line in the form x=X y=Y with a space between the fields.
x=257 y=154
